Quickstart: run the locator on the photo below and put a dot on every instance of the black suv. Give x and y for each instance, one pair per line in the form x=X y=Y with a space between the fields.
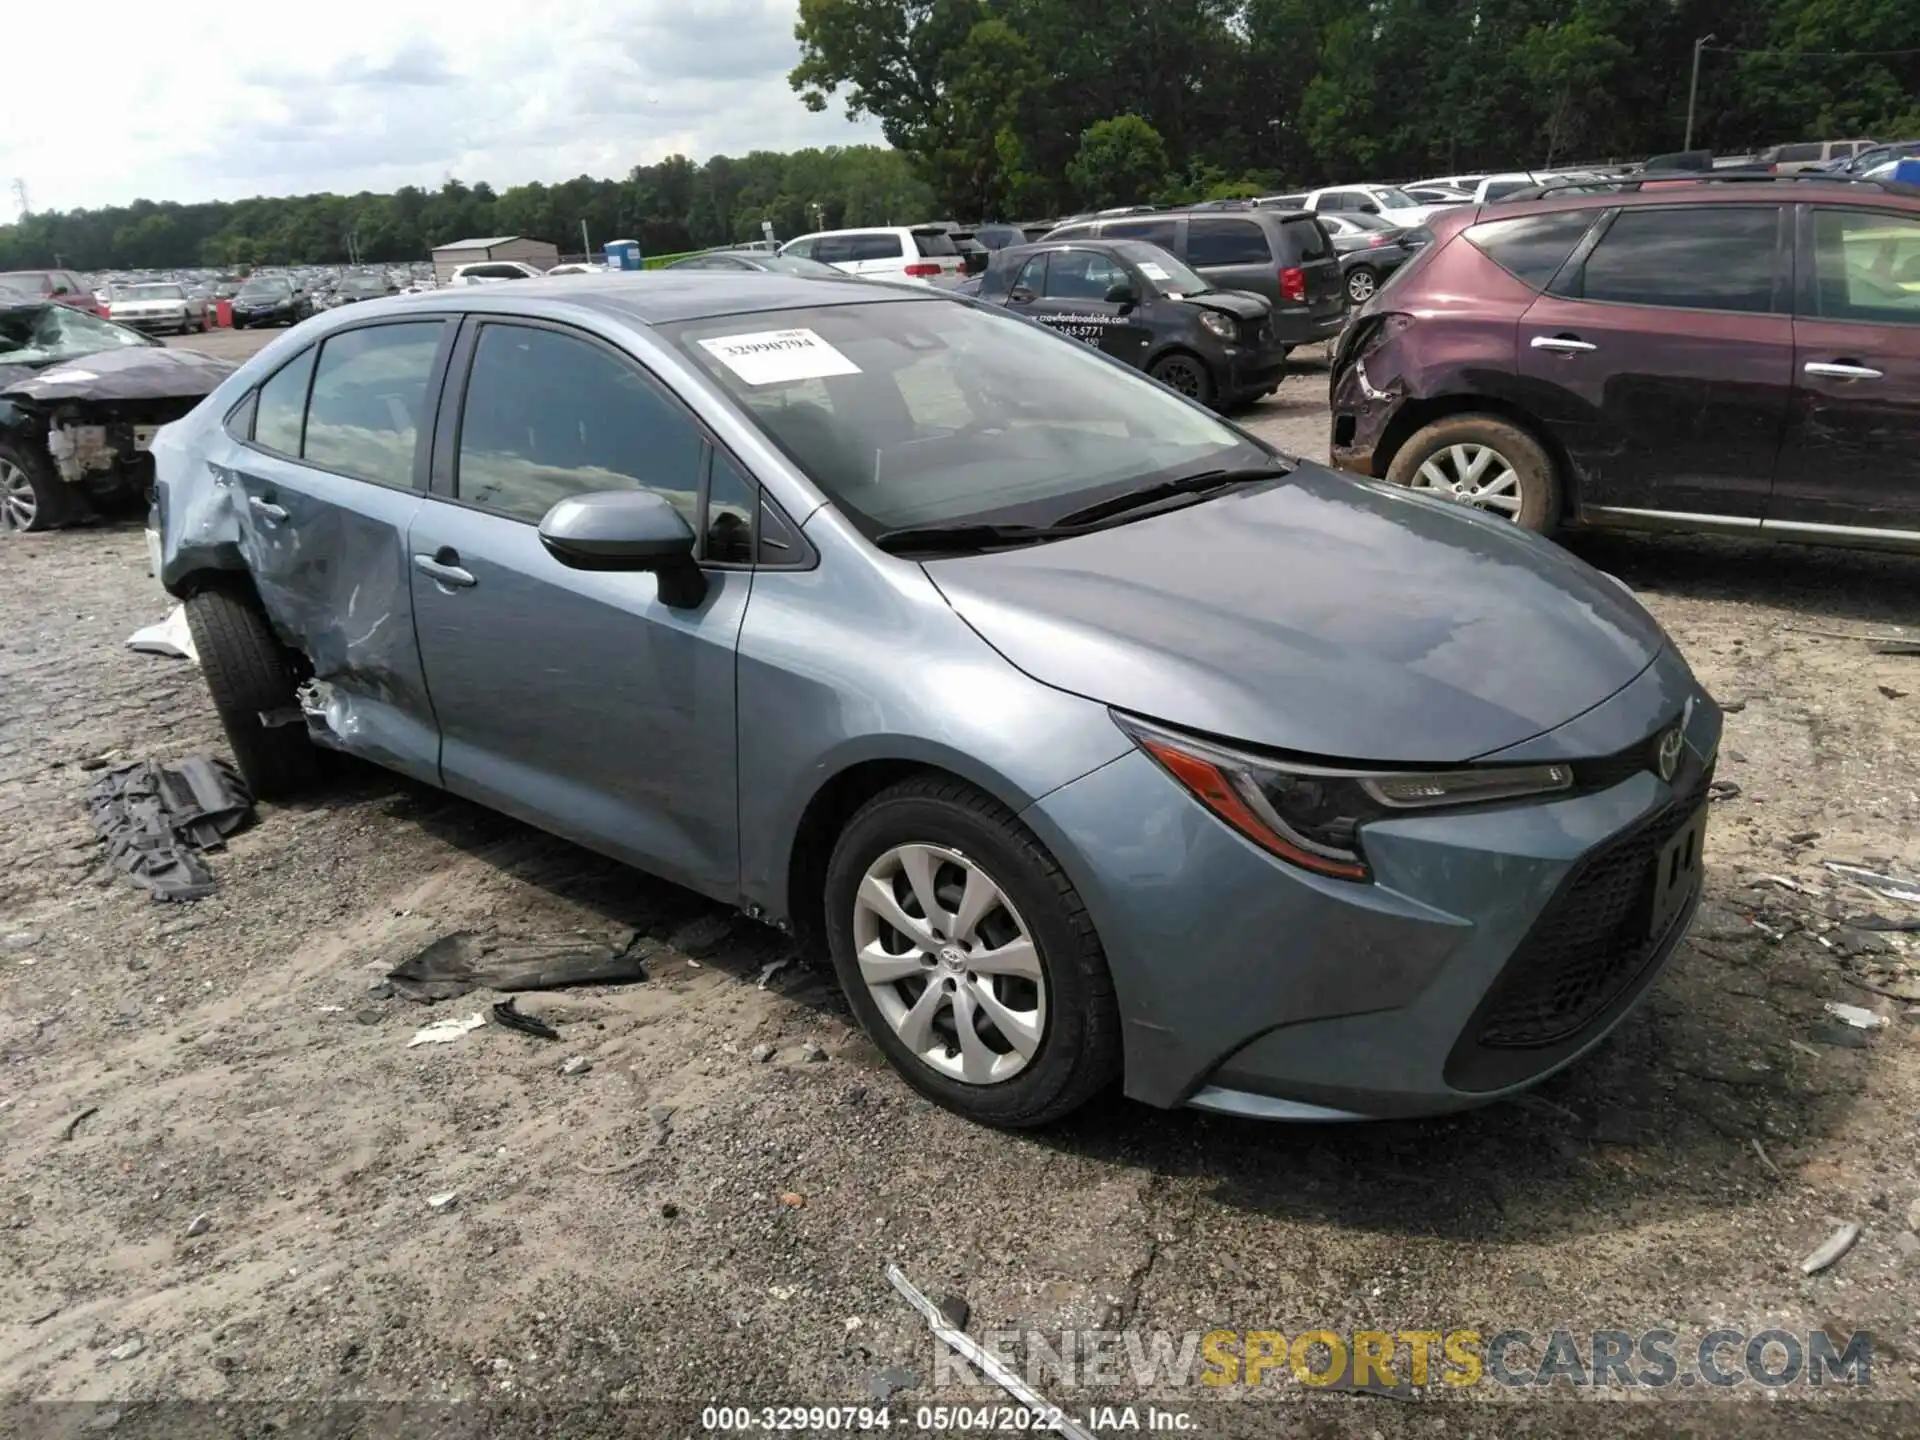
x=1284 y=255
x=1137 y=303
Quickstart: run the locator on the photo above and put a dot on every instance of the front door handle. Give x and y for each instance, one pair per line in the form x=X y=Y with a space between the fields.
x=445 y=570
x=266 y=509
x=1563 y=344
x=1840 y=370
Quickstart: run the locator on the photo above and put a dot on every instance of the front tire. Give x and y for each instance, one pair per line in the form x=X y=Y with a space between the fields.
x=32 y=496
x=1486 y=462
x=968 y=956
x=1185 y=373
x=249 y=673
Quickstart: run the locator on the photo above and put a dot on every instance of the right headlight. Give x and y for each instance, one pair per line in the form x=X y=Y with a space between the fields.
x=1312 y=815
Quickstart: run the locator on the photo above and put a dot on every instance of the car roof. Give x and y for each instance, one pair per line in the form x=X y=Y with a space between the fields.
x=664 y=297
x=1682 y=187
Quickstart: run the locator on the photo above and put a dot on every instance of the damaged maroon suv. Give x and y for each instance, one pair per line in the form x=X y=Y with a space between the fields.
x=1739 y=357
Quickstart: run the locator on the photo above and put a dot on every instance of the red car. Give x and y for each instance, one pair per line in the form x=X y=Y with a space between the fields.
x=61 y=286
x=1736 y=355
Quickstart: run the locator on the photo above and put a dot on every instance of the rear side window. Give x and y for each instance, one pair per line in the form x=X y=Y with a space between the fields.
x=283 y=405
x=878 y=247
x=1866 y=266
x=1071 y=232
x=1687 y=257
x=1801 y=152
x=1158 y=232
x=1226 y=242
x=370 y=400
x=1533 y=247
x=932 y=242
x=550 y=415
x=1307 y=238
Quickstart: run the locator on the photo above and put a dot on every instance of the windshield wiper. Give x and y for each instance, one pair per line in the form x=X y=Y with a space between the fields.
x=1147 y=495
x=970 y=537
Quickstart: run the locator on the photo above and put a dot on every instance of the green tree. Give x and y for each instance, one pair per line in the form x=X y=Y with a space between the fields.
x=1120 y=161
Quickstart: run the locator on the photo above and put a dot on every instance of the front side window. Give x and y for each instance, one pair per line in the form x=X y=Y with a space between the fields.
x=1032 y=277
x=912 y=413
x=1532 y=247
x=549 y=415
x=802 y=248
x=731 y=502
x=282 y=409
x=1866 y=266
x=370 y=400
x=1684 y=256
x=1226 y=242
x=1081 y=275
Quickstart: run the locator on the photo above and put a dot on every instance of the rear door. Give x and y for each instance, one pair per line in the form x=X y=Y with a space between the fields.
x=1662 y=358
x=1852 y=452
x=876 y=252
x=577 y=699
x=331 y=468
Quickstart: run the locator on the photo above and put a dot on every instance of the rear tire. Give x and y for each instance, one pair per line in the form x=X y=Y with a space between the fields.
x=1186 y=373
x=33 y=498
x=248 y=673
x=1442 y=459
x=1361 y=284
x=1033 y=908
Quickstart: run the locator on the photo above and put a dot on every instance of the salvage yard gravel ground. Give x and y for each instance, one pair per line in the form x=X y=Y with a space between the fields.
x=224 y=1173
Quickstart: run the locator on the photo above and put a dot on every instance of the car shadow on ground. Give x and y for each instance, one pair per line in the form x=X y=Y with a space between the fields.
x=1814 y=581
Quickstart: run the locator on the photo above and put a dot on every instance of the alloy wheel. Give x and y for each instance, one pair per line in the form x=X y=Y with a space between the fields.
x=1473 y=474
x=1184 y=376
x=950 y=964
x=1360 y=286
x=18 y=507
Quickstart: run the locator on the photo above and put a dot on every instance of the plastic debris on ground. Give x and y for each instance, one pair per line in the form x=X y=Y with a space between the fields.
x=171 y=637
x=443 y=1032
x=157 y=820
x=466 y=960
x=1837 y=1245
x=1858 y=1016
x=1893 y=886
x=507 y=1013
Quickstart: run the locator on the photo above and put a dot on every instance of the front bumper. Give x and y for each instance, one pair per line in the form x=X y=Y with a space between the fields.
x=1251 y=986
x=244 y=318
x=1246 y=371
x=153 y=322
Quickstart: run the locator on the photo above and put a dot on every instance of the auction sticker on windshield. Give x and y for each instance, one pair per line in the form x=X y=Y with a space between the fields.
x=1153 y=271
x=768 y=357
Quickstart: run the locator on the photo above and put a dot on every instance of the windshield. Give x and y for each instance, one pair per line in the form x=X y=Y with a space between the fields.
x=274 y=285
x=1168 y=272
x=913 y=413
x=41 y=334
x=364 y=285
x=1388 y=199
x=148 y=292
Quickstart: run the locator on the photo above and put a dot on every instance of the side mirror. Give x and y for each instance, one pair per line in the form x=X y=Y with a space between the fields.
x=1122 y=294
x=1020 y=295
x=627 y=530
x=1367 y=207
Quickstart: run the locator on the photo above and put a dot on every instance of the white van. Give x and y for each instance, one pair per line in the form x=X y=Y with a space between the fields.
x=924 y=253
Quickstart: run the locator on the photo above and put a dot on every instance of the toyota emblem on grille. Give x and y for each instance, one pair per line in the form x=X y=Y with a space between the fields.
x=1668 y=757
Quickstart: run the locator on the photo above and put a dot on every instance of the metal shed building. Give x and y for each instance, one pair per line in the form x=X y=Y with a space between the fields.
x=537 y=253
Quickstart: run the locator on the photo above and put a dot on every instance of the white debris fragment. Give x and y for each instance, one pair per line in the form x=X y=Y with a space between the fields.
x=442 y=1032
x=1837 y=1245
x=170 y=637
x=443 y=1201
x=1857 y=1016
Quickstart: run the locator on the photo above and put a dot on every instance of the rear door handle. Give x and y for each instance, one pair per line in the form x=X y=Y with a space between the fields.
x=445 y=572
x=1839 y=370
x=1563 y=344
x=266 y=509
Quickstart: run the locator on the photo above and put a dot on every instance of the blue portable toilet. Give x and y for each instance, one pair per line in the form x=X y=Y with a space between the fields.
x=1907 y=171
x=623 y=254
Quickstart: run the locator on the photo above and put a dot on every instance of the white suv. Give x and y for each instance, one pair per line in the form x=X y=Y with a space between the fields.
x=486 y=272
x=1396 y=207
x=923 y=253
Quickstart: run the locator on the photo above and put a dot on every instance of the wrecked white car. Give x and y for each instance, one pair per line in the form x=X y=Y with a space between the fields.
x=80 y=400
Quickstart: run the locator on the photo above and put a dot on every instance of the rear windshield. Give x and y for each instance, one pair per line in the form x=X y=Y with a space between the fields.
x=1305 y=235
x=934 y=242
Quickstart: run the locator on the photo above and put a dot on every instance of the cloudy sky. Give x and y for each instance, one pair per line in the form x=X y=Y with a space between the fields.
x=230 y=98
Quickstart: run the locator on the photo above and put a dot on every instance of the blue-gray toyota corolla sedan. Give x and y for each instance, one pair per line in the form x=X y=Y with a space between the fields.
x=1093 y=740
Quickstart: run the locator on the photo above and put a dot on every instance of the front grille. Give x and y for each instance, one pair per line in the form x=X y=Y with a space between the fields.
x=1591 y=942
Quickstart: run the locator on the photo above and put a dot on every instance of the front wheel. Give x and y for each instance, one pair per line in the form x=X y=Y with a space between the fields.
x=32 y=497
x=251 y=679
x=1185 y=373
x=1486 y=462
x=1361 y=283
x=968 y=956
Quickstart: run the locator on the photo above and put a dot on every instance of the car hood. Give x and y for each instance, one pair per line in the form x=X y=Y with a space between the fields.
x=1317 y=614
x=139 y=372
x=1237 y=303
x=262 y=299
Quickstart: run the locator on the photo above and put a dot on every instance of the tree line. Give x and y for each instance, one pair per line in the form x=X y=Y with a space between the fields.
x=1021 y=109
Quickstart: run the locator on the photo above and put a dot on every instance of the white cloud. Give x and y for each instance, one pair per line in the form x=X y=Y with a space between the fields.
x=239 y=97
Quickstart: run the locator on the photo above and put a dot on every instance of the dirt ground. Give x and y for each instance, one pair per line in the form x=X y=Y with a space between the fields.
x=685 y=1222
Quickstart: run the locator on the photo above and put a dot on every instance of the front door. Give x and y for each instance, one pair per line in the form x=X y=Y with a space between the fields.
x=576 y=699
x=1069 y=290
x=330 y=470
x=1664 y=361
x=1852 y=454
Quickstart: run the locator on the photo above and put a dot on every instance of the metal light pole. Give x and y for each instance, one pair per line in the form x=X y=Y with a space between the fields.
x=1693 y=88
x=586 y=246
